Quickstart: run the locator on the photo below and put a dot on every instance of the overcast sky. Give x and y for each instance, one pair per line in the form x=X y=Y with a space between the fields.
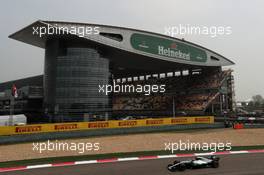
x=244 y=46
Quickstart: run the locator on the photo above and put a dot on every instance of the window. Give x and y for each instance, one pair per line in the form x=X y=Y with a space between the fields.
x=113 y=36
x=214 y=58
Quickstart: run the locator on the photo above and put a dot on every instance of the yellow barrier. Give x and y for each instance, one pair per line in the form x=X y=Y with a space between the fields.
x=60 y=127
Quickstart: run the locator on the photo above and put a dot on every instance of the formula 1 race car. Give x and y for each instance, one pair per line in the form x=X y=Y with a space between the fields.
x=197 y=162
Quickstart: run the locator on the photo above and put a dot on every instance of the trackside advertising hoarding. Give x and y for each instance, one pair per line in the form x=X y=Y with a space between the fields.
x=61 y=127
x=167 y=48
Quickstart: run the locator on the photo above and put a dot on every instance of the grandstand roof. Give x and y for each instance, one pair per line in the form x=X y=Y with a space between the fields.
x=132 y=51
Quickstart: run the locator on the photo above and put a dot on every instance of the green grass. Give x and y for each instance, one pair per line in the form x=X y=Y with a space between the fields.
x=105 y=156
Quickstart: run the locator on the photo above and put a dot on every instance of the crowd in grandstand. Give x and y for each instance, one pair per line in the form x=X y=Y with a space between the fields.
x=194 y=102
x=141 y=103
x=187 y=93
x=208 y=80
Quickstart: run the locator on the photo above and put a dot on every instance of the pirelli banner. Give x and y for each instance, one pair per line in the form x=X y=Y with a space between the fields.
x=61 y=127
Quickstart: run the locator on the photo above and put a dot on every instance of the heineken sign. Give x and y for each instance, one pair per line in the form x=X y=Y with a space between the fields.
x=166 y=47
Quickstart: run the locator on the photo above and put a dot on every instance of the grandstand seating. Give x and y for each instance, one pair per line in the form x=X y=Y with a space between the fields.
x=190 y=93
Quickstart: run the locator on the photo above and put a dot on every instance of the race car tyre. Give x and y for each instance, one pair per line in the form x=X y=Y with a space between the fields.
x=171 y=169
x=182 y=167
x=215 y=164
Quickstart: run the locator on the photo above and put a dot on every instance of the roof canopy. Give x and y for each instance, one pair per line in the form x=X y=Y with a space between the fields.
x=132 y=51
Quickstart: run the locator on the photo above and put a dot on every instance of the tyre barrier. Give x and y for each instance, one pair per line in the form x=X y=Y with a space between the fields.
x=238 y=126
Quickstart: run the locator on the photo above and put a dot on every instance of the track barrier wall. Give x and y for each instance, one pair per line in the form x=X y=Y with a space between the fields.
x=76 y=126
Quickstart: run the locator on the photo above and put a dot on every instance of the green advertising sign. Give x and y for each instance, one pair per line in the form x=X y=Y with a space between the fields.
x=167 y=48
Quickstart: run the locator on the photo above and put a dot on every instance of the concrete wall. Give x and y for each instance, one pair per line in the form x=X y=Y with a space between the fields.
x=101 y=132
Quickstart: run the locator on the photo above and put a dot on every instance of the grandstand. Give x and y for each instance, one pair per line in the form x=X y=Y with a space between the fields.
x=193 y=94
x=76 y=64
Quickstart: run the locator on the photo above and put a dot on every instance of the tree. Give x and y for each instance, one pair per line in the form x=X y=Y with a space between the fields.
x=256 y=102
x=251 y=104
x=258 y=99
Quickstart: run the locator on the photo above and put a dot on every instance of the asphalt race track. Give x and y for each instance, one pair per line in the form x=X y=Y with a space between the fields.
x=239 y=164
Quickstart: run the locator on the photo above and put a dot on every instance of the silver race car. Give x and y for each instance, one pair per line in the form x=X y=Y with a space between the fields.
x=197 y=162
